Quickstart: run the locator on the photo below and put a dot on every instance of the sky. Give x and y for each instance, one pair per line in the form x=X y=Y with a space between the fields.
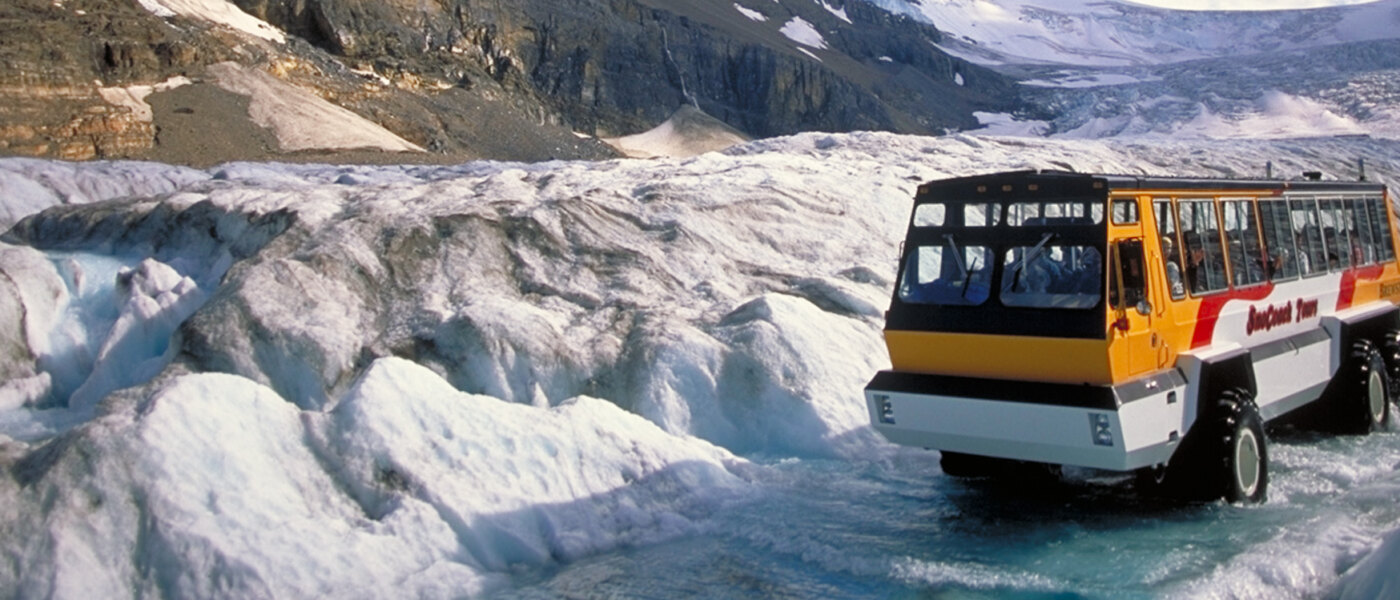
x=1246 y=4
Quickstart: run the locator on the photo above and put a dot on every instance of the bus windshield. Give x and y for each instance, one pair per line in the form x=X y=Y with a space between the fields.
x=972 y=255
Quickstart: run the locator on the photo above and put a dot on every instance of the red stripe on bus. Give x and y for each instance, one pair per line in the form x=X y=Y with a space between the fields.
x=1349 y=278
x=1212 y=306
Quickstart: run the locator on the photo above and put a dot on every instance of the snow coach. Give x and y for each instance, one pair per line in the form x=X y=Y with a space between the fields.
x=1138 y=324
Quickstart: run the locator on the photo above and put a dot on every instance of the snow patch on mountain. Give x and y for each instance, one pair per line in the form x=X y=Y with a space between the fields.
x=134 y=96
x=799 y=30
x=301 y=120
x=221 y=12
x=840 y=13
x=688 y=132
x=750 y=13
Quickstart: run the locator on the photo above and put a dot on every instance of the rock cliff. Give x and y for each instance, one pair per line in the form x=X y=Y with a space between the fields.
x=85 y=79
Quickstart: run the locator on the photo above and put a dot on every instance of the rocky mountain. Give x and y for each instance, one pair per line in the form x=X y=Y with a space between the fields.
x=453 y=79
x=1104 y=68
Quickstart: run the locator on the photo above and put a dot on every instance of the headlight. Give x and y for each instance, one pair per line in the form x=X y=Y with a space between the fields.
x=885 y=409
x=1102 y=428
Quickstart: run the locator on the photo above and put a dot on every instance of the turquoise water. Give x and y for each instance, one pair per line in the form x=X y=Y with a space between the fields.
x=898 y=528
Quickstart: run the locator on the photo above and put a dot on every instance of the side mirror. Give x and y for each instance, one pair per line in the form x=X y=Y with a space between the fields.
x=1144 y=308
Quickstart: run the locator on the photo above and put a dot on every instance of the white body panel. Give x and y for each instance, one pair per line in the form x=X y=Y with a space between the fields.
x=1144 y=432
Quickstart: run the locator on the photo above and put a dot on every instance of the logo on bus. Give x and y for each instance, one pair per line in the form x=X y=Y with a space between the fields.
x=1269 y=317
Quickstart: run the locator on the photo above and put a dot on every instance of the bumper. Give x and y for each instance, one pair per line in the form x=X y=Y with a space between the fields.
x=1119 y=429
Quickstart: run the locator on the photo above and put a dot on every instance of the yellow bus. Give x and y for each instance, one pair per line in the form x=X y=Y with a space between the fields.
x=1138 y=324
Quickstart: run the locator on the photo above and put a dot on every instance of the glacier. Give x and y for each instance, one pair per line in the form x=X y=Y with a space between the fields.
x=522 y=380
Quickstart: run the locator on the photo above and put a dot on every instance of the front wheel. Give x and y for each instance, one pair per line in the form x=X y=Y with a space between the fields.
x=1243 y=452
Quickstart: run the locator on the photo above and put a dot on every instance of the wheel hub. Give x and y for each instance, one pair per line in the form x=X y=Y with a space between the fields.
x=1376 y=397
x=1247 y=462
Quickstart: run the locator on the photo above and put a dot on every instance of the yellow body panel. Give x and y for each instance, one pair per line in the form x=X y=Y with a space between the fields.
x=1000 y=356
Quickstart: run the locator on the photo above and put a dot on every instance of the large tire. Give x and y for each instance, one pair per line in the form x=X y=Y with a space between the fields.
x=1365 y=407
x=1390 y=351
x=1242 y=453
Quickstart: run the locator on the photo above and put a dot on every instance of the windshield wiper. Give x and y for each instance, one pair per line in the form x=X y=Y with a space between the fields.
x=1015 y=275
x=957 y=254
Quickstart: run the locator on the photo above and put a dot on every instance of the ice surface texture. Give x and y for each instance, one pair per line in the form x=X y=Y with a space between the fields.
x=406 y=381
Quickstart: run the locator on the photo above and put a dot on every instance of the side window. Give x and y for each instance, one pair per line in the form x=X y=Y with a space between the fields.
x=1128 y=283
x=1364 y=247
x=1376 y=207
x=1242 y=235
x=1307 y=232
x=1171 y=258
x=1200 y=236
x=1021 y=214
x=1334 y=231
x=1282 y=263
x=981 y=214
x=1125 y=212
x=930 y=215
x=947 y=275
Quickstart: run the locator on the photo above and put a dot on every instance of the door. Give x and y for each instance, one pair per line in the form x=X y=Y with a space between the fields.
x=1133 y=331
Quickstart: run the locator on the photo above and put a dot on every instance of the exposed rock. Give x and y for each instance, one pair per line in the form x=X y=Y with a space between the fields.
x=469 y=79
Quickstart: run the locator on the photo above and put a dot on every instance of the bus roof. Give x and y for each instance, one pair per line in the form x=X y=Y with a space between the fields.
x=1067 y=183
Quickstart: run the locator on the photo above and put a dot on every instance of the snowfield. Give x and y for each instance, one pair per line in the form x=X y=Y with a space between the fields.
x=269 y=380
x=1120 y=33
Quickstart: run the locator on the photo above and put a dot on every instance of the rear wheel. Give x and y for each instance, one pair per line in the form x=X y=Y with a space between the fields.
x=1365 y=407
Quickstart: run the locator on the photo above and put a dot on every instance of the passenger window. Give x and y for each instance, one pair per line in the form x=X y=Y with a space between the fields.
x=1023 y=214
x=1242 y=235
x=1200 y=233
x=1044 y=276
x=1360 y=227
x=1125 y=212
x=1171 y=259
x=981 y=214
x=1279 y=250
x=1334 y=231
x=947 y=275
x=1128 y=283
x=929 y=215
x=1307 y=232
x=1378 y=210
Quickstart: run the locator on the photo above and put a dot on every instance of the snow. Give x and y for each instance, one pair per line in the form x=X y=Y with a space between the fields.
x=688 y=132
x=1006 y=124
x=750 y=13
x=33 y=185
x=301 y=120
x=1275 y=115
x=1257 y=5
x=1074 y=80
x=134 y=96
x=1279 y=115
x=1375 y=577
x=839 y=12
x=799 y=30
x=423 y=381
x=221 y=12
x=1092 y=32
